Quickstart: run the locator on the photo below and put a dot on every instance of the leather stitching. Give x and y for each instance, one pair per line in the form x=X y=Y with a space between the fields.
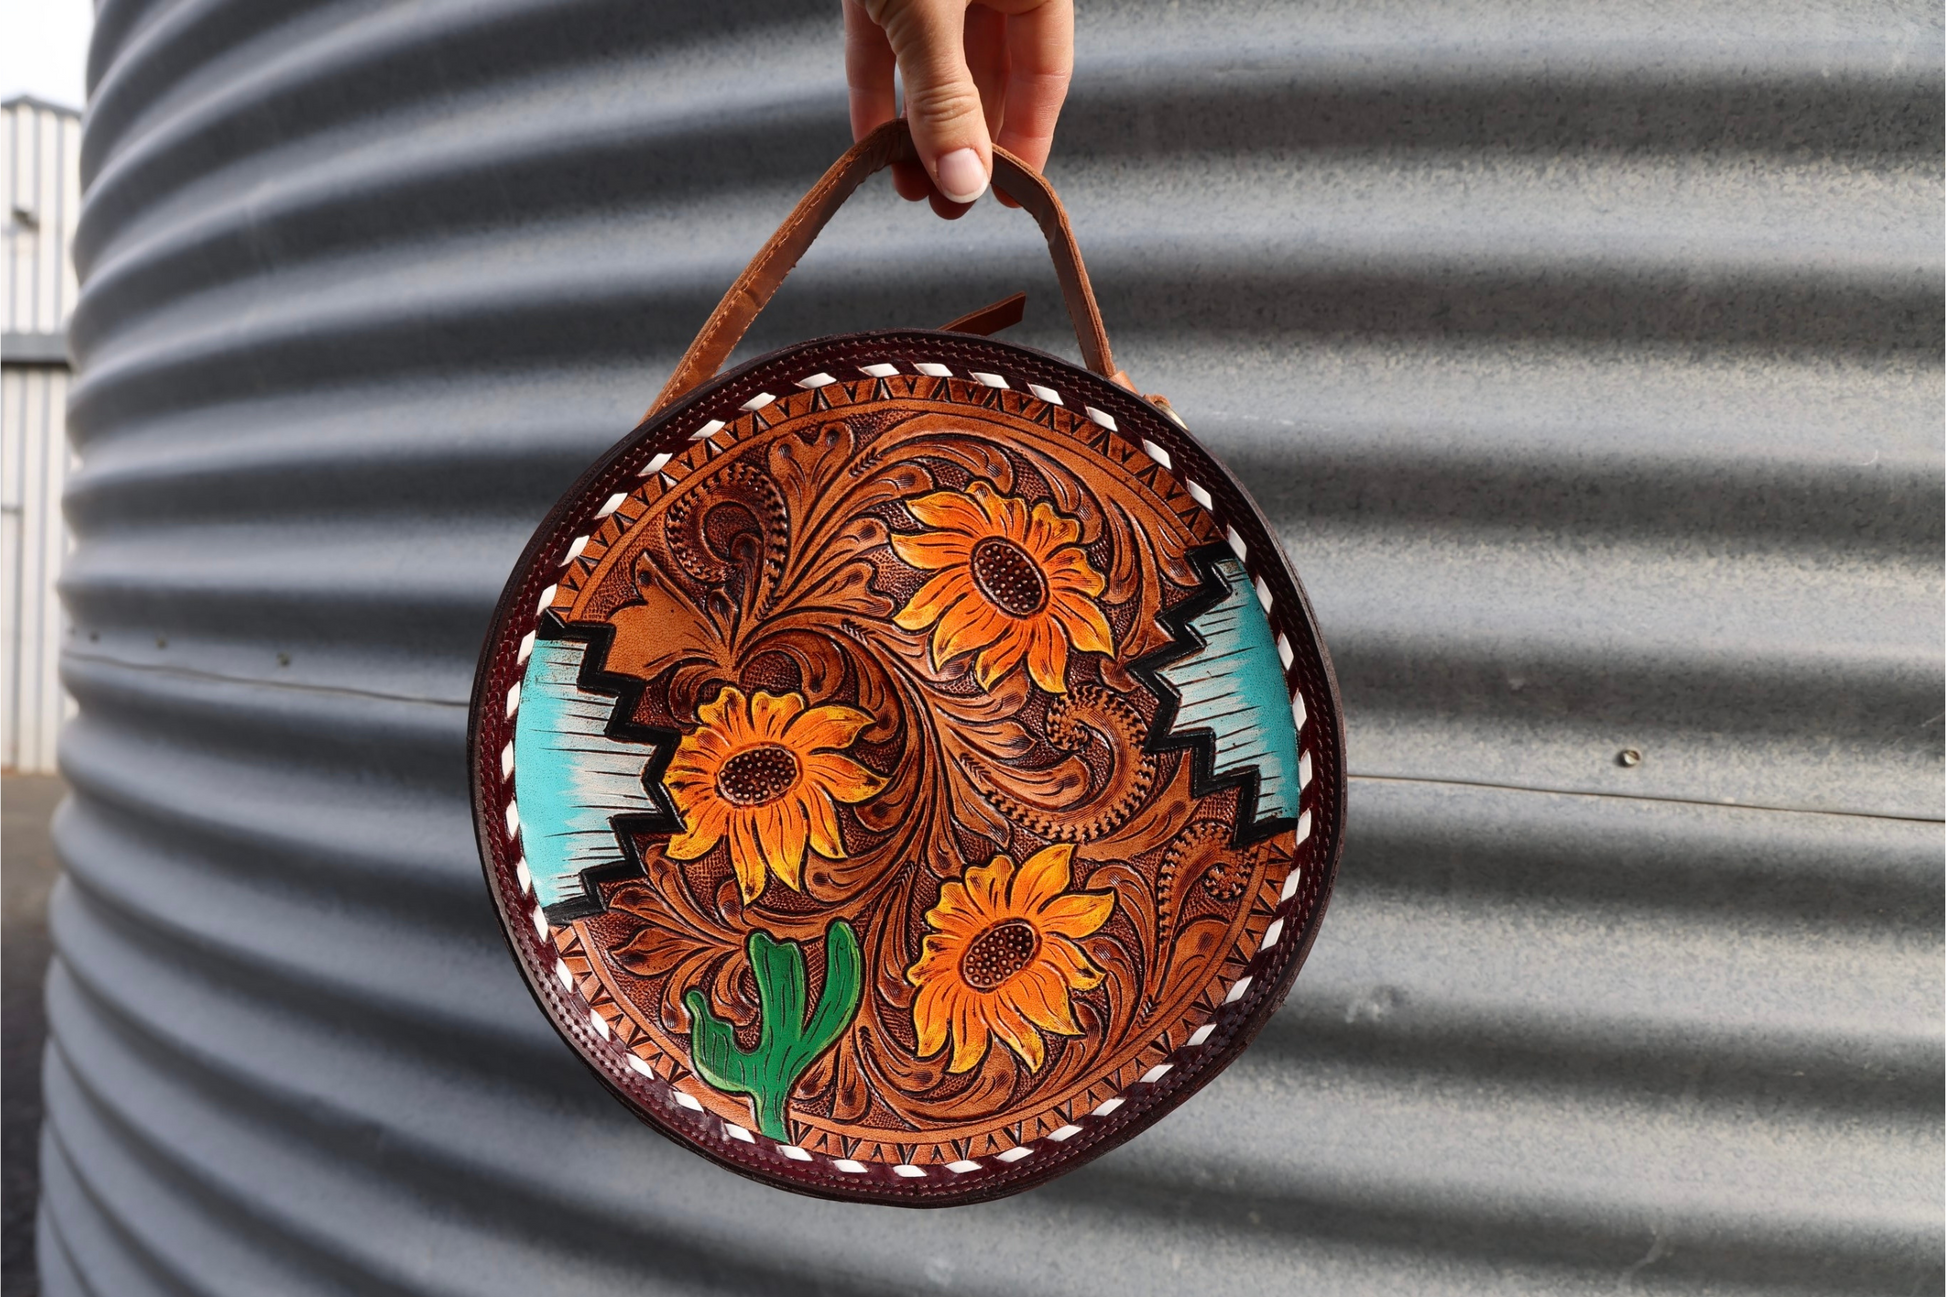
x=1269 y=972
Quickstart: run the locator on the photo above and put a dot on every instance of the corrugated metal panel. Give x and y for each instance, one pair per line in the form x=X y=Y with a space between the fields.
x=1588 y=357
x=40 y=158
x=33 y=467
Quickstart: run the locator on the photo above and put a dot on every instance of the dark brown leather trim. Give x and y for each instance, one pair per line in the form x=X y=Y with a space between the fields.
x=1270 y=972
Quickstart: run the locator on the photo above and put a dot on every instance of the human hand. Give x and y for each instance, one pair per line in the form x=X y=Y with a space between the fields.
x=972 y=71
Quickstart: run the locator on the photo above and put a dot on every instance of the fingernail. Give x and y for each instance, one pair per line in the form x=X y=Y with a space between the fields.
x=961 y=177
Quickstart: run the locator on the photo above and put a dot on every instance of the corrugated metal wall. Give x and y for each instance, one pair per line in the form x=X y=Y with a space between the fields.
x=33 y=468
x=40 y=158
x=40 y=162
x=1588 y=357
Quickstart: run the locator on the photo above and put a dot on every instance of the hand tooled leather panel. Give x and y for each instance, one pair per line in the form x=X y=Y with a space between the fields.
x=907 y=767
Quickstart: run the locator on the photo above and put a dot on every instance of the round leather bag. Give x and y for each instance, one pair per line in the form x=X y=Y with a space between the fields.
x=906 y=766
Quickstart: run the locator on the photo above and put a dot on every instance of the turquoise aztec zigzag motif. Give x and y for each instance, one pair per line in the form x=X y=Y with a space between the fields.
x=1224 y=698
x=586 y=781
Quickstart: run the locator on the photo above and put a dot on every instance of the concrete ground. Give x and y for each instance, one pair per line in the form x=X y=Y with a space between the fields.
x=27 y=870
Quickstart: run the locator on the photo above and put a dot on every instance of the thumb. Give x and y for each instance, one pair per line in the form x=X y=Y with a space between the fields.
x=942 y=102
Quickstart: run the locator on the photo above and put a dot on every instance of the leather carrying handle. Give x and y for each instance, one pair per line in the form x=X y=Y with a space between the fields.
x=890 y=143
x=989 y=320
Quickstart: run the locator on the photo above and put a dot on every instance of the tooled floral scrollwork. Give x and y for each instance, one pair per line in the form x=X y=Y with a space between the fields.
x=896 y=652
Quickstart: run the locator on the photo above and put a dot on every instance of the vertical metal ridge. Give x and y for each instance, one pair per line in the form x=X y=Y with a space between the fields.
x=39 y=143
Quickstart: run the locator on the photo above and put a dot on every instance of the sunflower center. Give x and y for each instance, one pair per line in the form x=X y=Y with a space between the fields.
x=998 y=953
x=1008 y=576
x=757 y=775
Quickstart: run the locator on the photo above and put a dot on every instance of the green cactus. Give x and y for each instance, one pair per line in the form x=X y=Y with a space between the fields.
x=787 y=1044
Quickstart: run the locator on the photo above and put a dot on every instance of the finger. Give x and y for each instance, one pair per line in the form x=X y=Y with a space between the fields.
x=870 y=75
x=1040 y=47
x=912 y=182
x=942 y=103
x=946 y=207
x=986 y=59
x=869 y=70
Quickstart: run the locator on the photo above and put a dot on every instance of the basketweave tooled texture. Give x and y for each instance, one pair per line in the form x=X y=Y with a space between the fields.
x=907 y=767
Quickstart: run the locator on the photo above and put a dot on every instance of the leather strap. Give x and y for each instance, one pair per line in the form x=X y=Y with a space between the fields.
x=890 y=143
x=989 y=320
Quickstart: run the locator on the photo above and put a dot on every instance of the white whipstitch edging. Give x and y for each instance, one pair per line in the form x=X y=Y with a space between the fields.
x=1197 y=1039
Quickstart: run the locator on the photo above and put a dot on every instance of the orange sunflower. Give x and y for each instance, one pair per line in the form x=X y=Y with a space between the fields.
x=766 y=772
x=1010 y=581
x=1001 y=958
